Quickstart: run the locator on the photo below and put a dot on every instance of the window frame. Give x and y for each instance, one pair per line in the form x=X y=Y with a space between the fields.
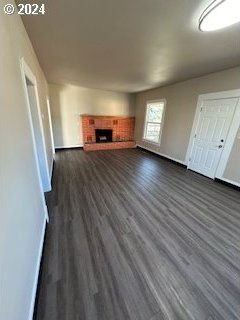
x=161 y=124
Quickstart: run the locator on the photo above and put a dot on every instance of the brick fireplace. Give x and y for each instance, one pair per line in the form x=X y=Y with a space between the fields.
x=107 y=132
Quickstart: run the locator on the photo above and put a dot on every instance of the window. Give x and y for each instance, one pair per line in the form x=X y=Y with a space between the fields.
x=154 y=121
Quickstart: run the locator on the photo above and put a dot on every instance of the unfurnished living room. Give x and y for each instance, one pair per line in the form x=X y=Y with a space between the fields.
x=120 y=160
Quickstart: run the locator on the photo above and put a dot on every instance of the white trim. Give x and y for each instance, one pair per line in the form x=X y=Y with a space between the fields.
x=52 y=139
x=229 y=142
x=151 y=142
x=237 y=184
x=221 y=94
x=25 y=71
x=71 y=146
x=162 y=122
x=46 y=213
x=162 y=154
x=35 y=284
x=50 y=125
x=232 y=132
x=43 y=137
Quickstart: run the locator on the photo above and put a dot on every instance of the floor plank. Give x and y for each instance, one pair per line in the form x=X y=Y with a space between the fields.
x=135 y=237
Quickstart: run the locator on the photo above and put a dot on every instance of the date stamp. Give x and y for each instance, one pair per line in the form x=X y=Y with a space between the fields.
x=25 y=9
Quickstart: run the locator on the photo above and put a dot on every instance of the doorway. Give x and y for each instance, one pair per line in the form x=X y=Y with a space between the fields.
x=35 y=117
x=215 y=127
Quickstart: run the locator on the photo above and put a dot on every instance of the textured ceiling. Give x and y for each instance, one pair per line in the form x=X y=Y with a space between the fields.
x=128 y=45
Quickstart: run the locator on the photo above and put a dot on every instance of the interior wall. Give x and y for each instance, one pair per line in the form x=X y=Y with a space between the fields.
x=232 y=171
x=69 y=102
x=22 y=213
x=180 y=110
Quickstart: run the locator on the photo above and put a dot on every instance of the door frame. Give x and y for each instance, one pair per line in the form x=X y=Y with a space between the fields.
x=231 y=134
x=52 y=139
x=50 y=125
x=27 y=73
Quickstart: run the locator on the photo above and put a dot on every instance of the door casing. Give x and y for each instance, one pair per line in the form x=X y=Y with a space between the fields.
x=232 y=131
x=27 y=73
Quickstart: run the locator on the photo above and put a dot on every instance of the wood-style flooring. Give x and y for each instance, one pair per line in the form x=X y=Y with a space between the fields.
x=135 y=237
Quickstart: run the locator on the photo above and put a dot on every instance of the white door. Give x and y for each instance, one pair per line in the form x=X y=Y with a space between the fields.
x=214 y=122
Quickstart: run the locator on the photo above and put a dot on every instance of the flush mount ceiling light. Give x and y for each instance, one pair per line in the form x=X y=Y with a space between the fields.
x=220 y=14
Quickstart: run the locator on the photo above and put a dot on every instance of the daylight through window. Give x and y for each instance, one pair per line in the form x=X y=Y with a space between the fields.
x=153 y=122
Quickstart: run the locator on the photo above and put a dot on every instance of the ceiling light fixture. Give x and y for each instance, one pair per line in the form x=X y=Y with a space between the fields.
x=220 y=14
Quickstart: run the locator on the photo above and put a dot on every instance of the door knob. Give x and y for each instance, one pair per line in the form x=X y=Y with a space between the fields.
x=220 y=146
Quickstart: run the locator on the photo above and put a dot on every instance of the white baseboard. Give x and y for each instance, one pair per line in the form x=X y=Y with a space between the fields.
x=237 y=184
x=162 y=154
x=46 y=213
x=68 y=147
x=34 y=292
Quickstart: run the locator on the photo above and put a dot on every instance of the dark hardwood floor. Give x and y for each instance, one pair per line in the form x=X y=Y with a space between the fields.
x=135 y=237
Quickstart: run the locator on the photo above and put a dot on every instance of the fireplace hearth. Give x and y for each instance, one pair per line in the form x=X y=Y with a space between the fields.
x=103 y=135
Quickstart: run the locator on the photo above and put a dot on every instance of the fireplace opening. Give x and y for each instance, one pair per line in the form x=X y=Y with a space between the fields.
x=103 y=135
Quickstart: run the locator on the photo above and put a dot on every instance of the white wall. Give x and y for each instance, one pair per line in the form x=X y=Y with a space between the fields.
x=232 y=171
x=22 y=215
x=69 y=102
x=182 y=100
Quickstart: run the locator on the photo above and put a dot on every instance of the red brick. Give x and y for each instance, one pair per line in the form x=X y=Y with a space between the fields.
x=124 y=129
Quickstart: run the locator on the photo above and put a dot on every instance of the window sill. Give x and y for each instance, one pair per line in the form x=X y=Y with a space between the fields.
x=151 y=142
